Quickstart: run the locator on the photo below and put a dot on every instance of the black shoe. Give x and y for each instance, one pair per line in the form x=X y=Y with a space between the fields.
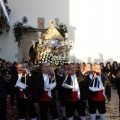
x=64 y=118
x=76 y=117
x=97 y=117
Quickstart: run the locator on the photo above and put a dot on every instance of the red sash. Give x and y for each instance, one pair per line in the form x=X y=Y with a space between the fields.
x=99 y=97
x=45 y=97
x=74 y=96
x=22 y=94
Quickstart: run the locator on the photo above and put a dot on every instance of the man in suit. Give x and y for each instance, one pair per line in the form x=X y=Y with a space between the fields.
x=98 y=89
x=60 y=76
x=44 y=92
x=4 y=79
x=22 y=88
x=75 y=92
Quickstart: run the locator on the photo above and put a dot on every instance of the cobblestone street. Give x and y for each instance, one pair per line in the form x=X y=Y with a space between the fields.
x=112 y=107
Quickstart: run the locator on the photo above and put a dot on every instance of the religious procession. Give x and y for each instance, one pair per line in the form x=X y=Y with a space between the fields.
x=74 y=91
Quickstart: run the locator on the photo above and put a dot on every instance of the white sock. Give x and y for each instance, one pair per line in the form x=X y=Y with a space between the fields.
x=92 y=116
x=82 y=118
x=56 y=119
x=63 y=111
x=87 y=104
x=33 y=118
x=97 y=113
x=76 y=113
x=71 y=118
x=22 y=119
x=102 y=117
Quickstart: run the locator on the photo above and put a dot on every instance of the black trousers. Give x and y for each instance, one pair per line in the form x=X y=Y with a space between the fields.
x=79 y=106
x=61 y=98
x=96 y=105
x=3 y=109
x=26 y=104
x=44 y=105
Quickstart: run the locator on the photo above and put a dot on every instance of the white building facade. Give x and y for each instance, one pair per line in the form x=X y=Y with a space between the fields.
x=93 y=26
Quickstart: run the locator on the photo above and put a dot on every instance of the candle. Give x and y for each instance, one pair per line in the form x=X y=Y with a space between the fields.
x=66 y=35
x=40 y=41
x=70 y=43
x=39 y=34
x=62 y=43
x=33 y=42
x=66 y=42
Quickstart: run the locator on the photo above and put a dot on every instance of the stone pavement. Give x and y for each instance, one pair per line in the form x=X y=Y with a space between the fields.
x=112 y=106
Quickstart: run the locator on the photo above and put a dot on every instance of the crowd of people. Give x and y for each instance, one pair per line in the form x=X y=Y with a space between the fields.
x=27 y=91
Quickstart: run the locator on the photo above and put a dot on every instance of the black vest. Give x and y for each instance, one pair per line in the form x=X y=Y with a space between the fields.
x=40 y=86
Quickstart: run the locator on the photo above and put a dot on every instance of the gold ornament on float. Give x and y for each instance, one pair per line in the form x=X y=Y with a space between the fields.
x=52 y=47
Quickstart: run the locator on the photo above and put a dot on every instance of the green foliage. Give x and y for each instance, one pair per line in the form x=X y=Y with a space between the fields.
x=2 y=19
x=19 y=30
x=62 y=28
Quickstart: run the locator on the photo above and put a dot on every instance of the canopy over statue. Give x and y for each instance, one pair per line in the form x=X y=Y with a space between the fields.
x=52 y=33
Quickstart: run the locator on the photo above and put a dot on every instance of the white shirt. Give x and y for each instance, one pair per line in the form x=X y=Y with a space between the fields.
x=99 y=85
x=74 y=87
x=48 y=86
x=19 y=83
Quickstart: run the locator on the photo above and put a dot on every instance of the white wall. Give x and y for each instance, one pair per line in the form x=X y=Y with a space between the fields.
x=94 y=26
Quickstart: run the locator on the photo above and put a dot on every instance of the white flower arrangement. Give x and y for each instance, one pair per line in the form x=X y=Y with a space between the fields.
x=50 y=58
